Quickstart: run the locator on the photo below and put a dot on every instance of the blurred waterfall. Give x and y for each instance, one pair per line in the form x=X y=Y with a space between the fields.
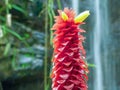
x=97 y=48
x=75 y=5
x=104 y=79
x=101 y=77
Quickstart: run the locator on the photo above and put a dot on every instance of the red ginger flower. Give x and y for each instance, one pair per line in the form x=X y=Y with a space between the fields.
x=69 y=68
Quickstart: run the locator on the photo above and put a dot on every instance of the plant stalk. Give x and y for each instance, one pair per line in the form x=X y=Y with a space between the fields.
x=46 y=48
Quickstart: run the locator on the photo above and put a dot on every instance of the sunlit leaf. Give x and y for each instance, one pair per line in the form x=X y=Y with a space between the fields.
x=91 y=65
x=7 y=48
x=9 y=6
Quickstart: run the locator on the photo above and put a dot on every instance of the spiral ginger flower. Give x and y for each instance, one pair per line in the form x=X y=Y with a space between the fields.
x=69 y=68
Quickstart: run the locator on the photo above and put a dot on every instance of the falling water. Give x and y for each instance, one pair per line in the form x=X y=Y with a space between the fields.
x=97 y=47
x=75 y=5
x=97 y=43
x=103 y=76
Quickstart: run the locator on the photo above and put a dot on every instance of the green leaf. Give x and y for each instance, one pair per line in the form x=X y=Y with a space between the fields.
x=9 y=6
x=7 y=49
x=12 y=32
x=18 y=8
x=91 y=65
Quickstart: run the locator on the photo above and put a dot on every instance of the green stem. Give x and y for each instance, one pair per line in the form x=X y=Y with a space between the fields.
x=46 y=48
x=59 y=4
x=8 y=15
x=51 y=14
x=7 y=7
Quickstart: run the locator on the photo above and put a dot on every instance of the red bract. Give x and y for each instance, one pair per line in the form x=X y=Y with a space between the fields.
x=69 y=68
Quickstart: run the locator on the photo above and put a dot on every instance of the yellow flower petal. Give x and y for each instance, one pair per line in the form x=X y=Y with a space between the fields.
x=82 y=16
x=64 y=16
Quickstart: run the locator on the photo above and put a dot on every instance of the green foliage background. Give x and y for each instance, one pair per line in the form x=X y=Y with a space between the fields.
x=27 y=16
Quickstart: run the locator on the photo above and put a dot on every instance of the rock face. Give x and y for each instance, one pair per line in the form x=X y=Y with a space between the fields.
x=21 y=68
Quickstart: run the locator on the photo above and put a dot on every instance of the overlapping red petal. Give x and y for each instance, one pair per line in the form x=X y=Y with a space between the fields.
x=69 y=68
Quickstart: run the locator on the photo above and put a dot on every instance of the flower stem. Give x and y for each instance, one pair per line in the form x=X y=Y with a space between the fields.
x=46 y=48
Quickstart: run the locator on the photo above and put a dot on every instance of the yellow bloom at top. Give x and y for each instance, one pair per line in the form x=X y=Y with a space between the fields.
x=64 y=16
x=82 y=16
